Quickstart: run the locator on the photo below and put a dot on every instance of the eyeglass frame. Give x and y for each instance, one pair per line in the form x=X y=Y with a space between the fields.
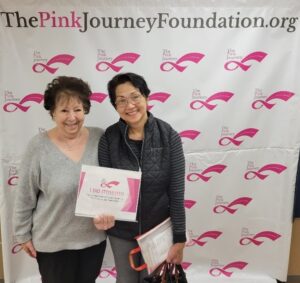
x=132 y=97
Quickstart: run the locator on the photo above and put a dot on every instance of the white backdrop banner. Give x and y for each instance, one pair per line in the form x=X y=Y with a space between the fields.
x=223 y=73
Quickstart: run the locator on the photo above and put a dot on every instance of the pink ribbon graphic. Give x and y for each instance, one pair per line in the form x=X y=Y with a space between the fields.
x=281 y=95
x=256 y=56
x=106 y=272
x=233 y=265
x=254 y=240
x=32 y=97
x=12 y=181
x=277 y=168
x=209 y=234
x=218 y=168
x=239 y=201
x=250 y=132
x=192 y=57
x=223 y=96
x=189 y=134
x=109 y=184
x=125 y=57
x=98 y=97
x=158 y=96
x=65 y=59
x=188 y=203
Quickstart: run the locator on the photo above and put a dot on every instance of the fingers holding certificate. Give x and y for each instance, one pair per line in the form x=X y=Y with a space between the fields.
x=104 y=222
x=107 y=194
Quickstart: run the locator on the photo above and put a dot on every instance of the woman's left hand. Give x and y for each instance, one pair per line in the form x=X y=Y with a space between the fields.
x=175 y=254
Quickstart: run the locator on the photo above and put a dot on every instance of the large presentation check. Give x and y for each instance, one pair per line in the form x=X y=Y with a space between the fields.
x=111 y=191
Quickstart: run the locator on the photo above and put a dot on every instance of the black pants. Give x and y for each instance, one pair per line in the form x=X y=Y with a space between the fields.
x=71 y=266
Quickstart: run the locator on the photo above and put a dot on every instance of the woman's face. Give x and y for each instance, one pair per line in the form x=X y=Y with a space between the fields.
x=69 y=116
x=131 y=104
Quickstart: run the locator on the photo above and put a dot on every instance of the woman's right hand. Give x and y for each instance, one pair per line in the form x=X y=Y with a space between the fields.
x=104 y=222
x=29 y=248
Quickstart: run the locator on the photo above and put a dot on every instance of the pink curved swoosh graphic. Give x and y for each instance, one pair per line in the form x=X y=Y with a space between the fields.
x=223 y=96
x=234 y=265
x=218 y=168
x=250 y=132
x=132 y=200
x=188 y=203
x=255 y=239
x=129 y=57
x=106 y=272
x=33 y=97
x=98 y=97
x=257 y=56
x=158 y=96
x=280 y=95
x=190 y=134
x=186 y=265
x=209 y=234
x=276 y=168
x=191 y=57
x=244 y=201
x=65 y=59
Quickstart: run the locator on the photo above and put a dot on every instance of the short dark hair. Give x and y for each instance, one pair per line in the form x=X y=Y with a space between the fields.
x=136 y=80
x=68 y=87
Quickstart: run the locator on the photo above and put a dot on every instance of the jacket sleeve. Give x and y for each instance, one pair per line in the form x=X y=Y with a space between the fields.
x=26 y=194
x=176 y=189
x=104 y=152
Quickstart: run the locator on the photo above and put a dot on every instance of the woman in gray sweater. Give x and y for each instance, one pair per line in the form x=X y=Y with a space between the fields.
x=68 y=248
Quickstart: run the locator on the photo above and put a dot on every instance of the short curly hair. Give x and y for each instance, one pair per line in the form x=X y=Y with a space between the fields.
x=67 y=87
x=136 y=80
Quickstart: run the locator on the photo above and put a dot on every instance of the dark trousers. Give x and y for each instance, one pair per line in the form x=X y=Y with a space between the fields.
x=71 y=266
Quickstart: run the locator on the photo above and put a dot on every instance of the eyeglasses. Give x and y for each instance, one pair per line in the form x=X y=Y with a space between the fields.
x=134 y=98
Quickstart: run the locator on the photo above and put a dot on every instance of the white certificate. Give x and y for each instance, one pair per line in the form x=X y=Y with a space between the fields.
x=111 y=191
x=155 y=244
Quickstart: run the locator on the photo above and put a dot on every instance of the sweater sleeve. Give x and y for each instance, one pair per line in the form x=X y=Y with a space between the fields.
x=26 y=194
x=103 y=152
x=176 y=189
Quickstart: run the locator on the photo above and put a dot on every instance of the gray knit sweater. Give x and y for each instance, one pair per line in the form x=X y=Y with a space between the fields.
x=46 y=197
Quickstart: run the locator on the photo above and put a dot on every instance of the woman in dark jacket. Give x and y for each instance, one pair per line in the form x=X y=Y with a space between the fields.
x=139 y=141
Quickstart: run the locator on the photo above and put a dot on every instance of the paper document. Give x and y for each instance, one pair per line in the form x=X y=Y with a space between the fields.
x=155 y=244
x=109 y=191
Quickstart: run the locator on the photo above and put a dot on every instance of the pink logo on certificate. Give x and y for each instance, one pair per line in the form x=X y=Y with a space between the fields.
x=227 y=269
x=129 y=57
x=257 y=56
x=132 y=200
x=202 y=239
x=64 y=59
x=261 y=173
x=237 y=139
x=208 y=103
x=194 y=57
x=269 y=101
x=218 y=168
x=258 y=239
x=158 y=96
x=233 y=206
x=32 y=97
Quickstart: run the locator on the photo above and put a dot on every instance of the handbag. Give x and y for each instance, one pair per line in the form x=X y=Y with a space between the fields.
x=167 y=273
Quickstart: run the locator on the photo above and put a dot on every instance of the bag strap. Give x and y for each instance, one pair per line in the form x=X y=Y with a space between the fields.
x=131 y=261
